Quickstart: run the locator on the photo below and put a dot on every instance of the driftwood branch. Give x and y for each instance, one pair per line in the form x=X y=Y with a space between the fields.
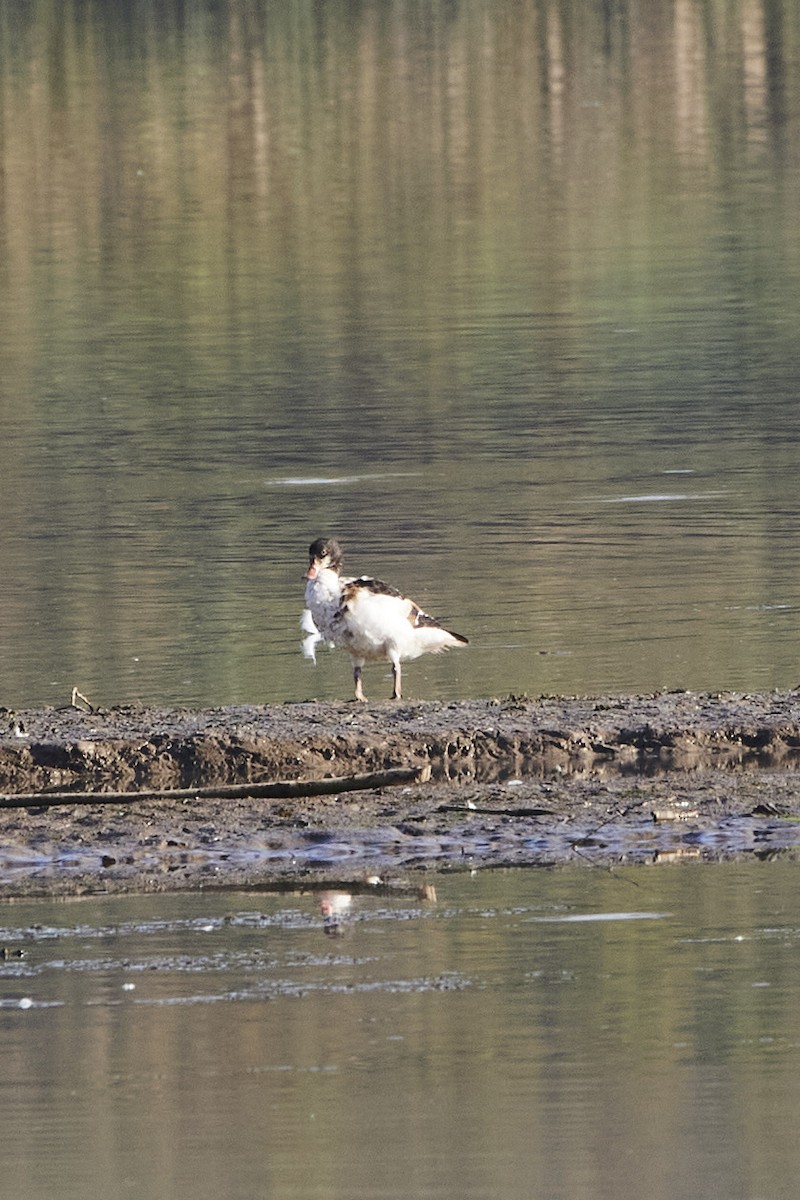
x=284 y=789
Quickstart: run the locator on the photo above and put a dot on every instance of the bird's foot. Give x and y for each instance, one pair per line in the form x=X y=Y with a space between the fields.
x=360 y=697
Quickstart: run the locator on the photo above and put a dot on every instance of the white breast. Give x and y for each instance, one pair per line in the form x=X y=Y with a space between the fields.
x=323 y=600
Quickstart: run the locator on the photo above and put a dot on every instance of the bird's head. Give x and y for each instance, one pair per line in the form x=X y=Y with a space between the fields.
x=324 y=553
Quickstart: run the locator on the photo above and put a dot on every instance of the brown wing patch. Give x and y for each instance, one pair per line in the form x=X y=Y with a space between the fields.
x=364 y=584
x=352 y=587
x=377 y=586
x=419 y=618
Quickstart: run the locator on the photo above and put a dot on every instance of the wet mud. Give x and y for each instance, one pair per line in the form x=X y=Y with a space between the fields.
x=514 y=781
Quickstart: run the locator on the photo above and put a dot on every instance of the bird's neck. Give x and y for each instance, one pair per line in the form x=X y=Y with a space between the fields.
x=324 y=590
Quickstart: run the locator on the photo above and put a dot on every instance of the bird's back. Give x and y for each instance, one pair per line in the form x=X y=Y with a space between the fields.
x=377 y=619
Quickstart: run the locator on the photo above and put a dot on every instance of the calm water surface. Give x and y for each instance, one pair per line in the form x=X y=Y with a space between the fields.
x=572 y=1034
x=506 y=295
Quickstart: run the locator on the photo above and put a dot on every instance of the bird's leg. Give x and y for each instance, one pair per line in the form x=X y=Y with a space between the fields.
x=357 y=680
x=396 y=675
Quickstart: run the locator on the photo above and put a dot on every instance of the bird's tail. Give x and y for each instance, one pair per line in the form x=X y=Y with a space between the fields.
x=435 y=638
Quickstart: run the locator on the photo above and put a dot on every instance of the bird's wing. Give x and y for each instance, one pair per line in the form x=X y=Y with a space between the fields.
x=353 y=588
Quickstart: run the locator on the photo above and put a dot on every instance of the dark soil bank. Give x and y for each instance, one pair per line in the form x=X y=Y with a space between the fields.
x=514 y=781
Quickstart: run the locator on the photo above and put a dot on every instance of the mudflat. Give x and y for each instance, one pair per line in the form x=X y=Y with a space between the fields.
x=511 y=781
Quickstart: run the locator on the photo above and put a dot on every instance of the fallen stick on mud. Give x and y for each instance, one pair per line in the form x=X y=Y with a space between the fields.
x=284 y=789
x=498 y=812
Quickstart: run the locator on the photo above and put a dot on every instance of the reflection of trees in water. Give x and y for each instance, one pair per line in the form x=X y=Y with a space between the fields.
x=501 y=245
x=268 y=125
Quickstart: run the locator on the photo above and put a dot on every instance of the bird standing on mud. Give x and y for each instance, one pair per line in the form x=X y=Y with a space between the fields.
x=370 y=620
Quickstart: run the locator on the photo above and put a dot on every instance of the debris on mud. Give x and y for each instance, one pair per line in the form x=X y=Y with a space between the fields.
x=514 y=781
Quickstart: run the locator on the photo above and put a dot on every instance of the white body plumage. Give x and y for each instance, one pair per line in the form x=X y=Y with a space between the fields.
x=364 y=616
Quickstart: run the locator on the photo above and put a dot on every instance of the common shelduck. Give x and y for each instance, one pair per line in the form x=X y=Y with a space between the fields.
x=366 y=617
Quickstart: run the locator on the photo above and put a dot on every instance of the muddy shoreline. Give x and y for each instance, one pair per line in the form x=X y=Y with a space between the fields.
x=514 y=781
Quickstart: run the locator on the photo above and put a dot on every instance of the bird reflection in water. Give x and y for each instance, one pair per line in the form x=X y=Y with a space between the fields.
x=336 y=908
